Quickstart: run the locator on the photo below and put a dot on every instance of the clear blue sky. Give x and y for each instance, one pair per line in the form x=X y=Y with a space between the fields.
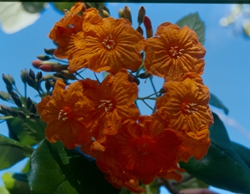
x=227 y=59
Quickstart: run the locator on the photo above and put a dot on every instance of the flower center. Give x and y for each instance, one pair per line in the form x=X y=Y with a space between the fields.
x=107 y=104
x=175 y=51
x=108 y=42
x=189 y=107
x=143 y=145
x=65 y=113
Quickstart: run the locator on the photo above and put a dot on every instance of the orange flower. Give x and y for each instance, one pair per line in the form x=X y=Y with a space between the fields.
x=64 y=31
x=113 y=101
x=65 y=114
x=146 y=148
x=107 y=46
x=185 y=107
x=174 y=51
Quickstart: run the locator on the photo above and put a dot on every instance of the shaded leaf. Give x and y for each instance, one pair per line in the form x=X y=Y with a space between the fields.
x=61 y=6
x=12 y=152
x=189 y=182
x=28 y=131
x=63 y=172
x=222 y=167
x=194 y=22
x=14 y=17
x=214 y=101
x=15 y=186
x=33 y=7
x=243 y=152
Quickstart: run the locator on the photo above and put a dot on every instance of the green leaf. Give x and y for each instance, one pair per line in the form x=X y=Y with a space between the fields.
x=214 y=101
x=15 y=186
x=3 y=190
x=243 y=152
x=63 y=172
x=33 y=7
x=189 y=182
x=222 y=167
x=12 y=152
x=61 y=6
x=14 y=17
x=194 y=22
x=28 y=131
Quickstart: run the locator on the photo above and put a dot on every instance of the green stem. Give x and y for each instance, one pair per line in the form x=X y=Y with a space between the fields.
x=6 y=117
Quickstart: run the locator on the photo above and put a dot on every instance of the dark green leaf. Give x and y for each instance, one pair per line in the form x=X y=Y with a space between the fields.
x=214 y=101
x=61 y=6
x=194 y=22
x=33 y=7
x=54 y=169
x=222 y=167
x=189 y=182
x=28 y=131
x=243 y=152
x=12 y=152
x=15 y=186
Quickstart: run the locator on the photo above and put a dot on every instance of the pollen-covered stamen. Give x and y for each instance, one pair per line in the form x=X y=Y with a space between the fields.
x=65 y=113
x=107 y=104
x=108 y=42
x=175 y=51
x=189 y=107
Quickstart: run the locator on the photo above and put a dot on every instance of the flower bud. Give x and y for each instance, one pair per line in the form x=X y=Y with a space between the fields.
x=32 y=108
x=147 y=22
x=36 y=63
x=34 y=116
x=4 y=110
x=28 y=103
x=127 y=14
x=162 y=91
x=4 y=95
x=144 y=75
x=121 y=13
x=43 y=57
x=30 y=81
x=39 y=76
x=140 y=30
x=104 y=13
x=106 y=9
x=65 y=75
x=16 y=99
x=32 y=74
x=21 y=114
x=24 y=74
x=141 y=14
x=49 y=51
x=6 y=80
x=47 y=85
x=12 y=112
x=49 y=66
x=12 y=81
x=9 y=88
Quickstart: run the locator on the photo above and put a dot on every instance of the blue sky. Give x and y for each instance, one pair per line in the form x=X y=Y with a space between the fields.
x=227 y=58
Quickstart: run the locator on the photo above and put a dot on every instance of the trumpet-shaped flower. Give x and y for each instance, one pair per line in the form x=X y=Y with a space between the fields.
x=174 y=51
x=65 y=114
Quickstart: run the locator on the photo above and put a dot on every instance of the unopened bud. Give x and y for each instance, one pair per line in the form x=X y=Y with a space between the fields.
x=141 y=14
x=4 y=95
x=34 y=116
x=12 y=112
x=65 y=74
x=47 y=85
x=140 y=30
x=132 y=78
x=106 y=9
x=104 y=13
x=43 y=57
x=30 y=81
x=149 y=33
x=144 y=75
x=49 y=51
x=162 y=90
x=21 y=114
x=32 y=74
x=49 y=66
x=4 y=110
x=12 y=81
x=24 y=74
x=147 y=22
x=88 y=5
x=32 y=108
x=39 y=76
x=121 y=13
x=16 y=99
x=36 y=63
x=28 y=103
x=6 y=80
x=9 y=88
x=127 y=14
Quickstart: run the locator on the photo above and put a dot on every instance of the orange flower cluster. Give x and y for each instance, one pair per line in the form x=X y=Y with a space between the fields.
x=102 y=117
